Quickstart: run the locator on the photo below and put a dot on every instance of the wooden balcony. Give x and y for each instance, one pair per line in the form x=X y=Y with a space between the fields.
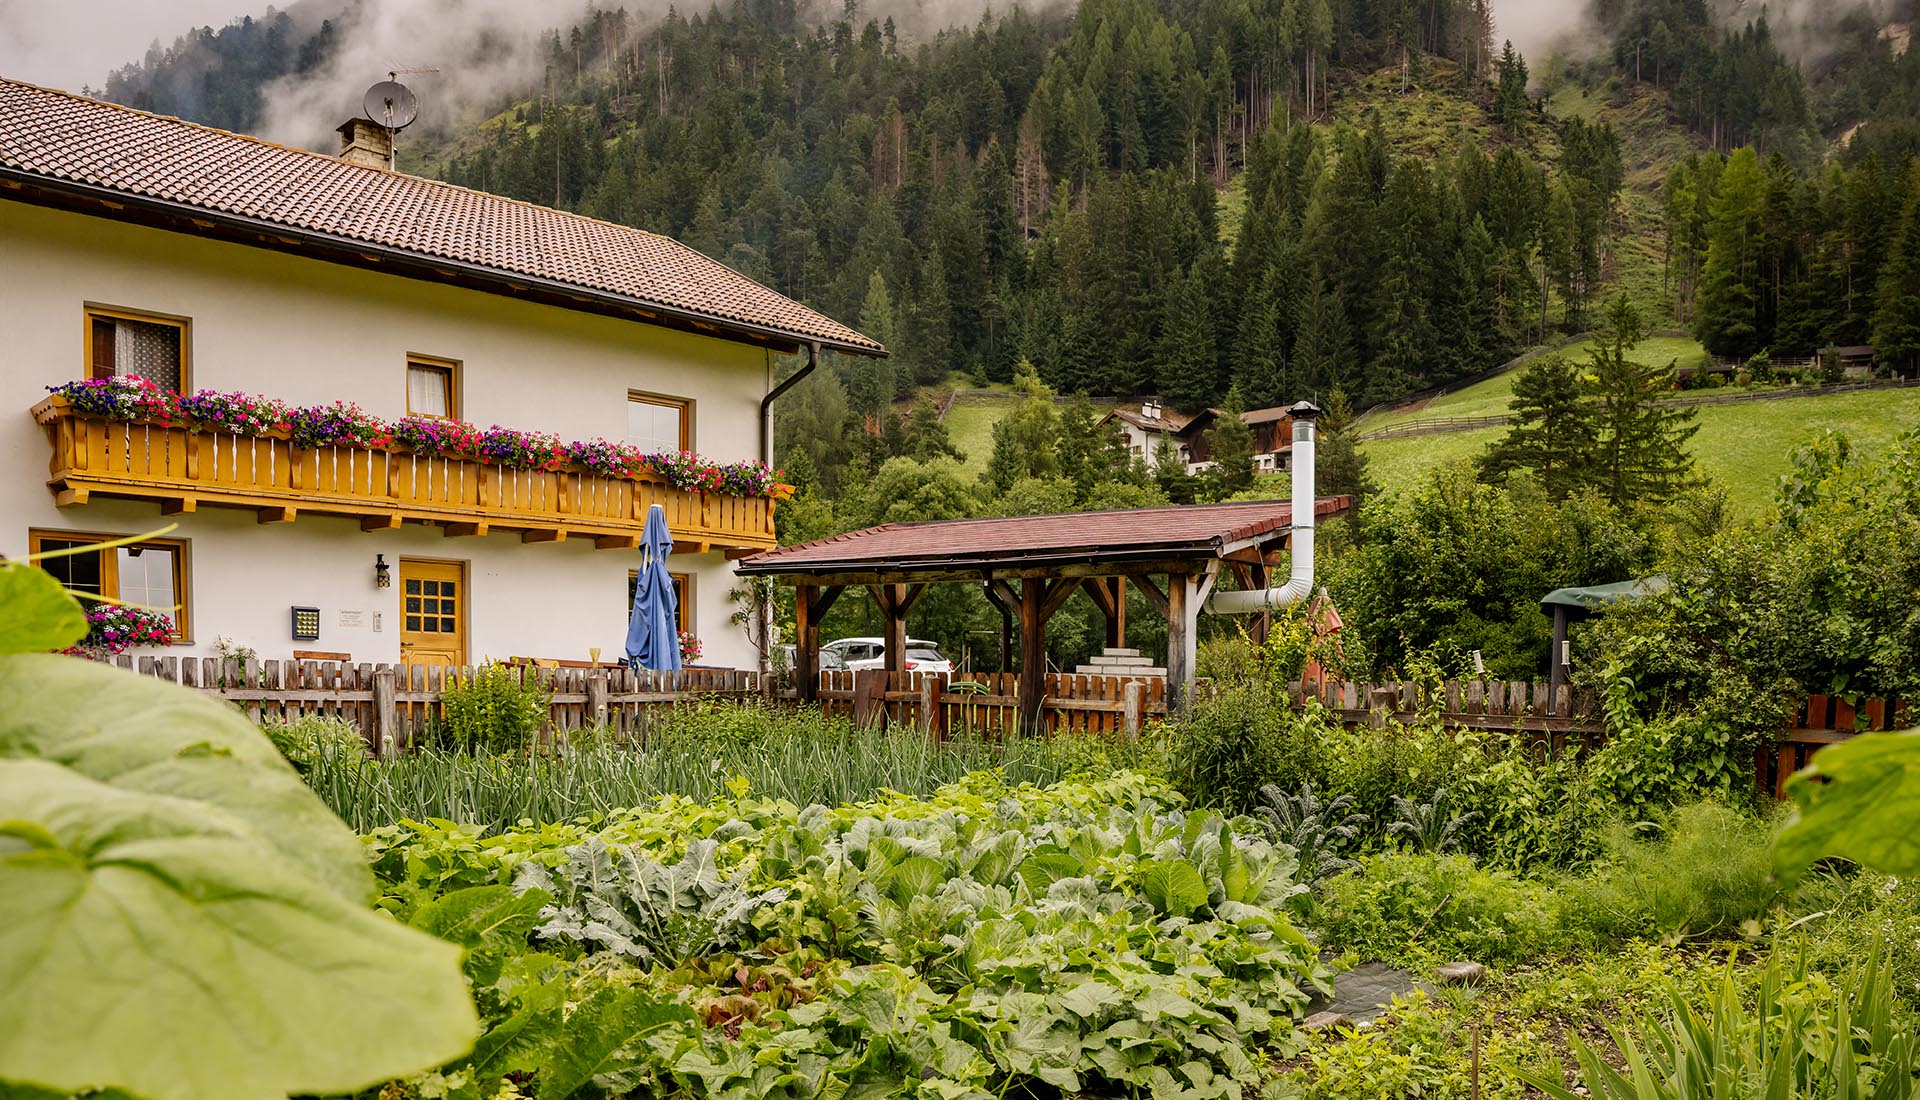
x=183 y=470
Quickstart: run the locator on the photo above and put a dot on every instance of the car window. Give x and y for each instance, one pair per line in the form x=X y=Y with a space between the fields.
x=924 y=654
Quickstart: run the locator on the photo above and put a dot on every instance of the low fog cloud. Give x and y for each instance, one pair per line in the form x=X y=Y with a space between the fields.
x=74 y=45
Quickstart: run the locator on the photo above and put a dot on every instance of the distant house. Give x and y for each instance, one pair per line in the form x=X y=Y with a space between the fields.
x=1148 y=426
x=1272 y=438
x=1856 y=361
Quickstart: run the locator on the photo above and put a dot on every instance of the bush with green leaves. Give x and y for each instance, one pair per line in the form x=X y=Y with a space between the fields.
x=1319 y=830
x=1241 y=738
x=499 y=708
x=1700 y=870
x=312 y=739
x=184 y=919
x=1415 y=908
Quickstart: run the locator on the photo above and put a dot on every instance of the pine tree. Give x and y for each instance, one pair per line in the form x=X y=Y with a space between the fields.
x=1187 y=359
x=1896 y=320
x=1230 y=449
x=1728 y=320
x=1322 y=349
x=932 y=328
x=1640 y=446
x=1553 y=433
x=1510 y=92
x=1170 y=474
x=926 y=434
x=1261 y=370
x=870 y=383
x=1339 y=466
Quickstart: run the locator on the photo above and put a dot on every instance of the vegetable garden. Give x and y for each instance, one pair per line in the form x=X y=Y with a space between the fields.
x=774 y=904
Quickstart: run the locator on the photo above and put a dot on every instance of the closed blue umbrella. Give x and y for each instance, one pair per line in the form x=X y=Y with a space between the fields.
x=653 y=635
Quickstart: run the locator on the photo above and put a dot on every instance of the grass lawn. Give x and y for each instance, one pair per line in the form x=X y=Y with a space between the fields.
x=1744 y=446
x=970 y=425
x=1490 y=398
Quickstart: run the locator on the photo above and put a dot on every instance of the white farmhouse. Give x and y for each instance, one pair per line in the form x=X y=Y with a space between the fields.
x=133 y=244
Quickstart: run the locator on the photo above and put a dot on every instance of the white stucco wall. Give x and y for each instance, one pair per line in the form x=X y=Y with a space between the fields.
x=312 y=332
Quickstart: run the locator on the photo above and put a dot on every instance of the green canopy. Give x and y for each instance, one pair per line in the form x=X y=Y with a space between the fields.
x=1596 y=596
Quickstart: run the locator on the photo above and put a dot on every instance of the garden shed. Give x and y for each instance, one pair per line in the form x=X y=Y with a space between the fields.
x=1029 y=565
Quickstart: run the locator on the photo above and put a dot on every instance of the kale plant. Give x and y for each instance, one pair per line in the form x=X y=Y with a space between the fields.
x=1320 y=831
x=1426 y=825
x=615 y=899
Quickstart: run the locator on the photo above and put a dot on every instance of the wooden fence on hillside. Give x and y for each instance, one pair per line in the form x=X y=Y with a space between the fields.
x=393 y=705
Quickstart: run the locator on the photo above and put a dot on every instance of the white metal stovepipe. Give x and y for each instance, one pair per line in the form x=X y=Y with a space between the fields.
x=1299 y=584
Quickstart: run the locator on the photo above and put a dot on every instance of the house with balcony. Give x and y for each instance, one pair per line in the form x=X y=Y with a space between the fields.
x=1145 y=428
x=290 y=358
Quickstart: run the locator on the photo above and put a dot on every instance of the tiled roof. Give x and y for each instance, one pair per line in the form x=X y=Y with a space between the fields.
x=63 y=137
x=1165 y=422
x=980 y=543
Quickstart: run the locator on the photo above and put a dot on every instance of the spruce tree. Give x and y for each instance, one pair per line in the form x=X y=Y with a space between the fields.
x=1896 y=320
x=1230 y=447
x=1339 y=466
x=1553 y=433
x=1186 y=355
x=1640 y=443
x=926 y=434
x=870 y=382
x=1322 y=349
x=1170 y=473
x=933 y=352
x=1510 y=101
x=1728 y=320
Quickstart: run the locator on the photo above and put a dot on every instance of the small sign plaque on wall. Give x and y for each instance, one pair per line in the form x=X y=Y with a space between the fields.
x=352 y=620
x=306 y=624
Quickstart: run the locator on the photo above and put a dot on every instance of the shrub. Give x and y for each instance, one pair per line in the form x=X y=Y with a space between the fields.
x=1706 y=870
x=311 y=738
x=498 y=709
x=1244 y=737
x=1410 y=908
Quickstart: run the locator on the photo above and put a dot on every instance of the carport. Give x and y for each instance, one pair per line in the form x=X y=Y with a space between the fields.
x=1029 y=565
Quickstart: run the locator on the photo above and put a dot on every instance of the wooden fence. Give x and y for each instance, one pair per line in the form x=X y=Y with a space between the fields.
x=393 y=705
x=989 y=702
x=1576 y=721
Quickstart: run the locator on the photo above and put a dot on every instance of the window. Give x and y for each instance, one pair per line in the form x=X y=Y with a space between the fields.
x=431 y=389
x=152 y=573
x=120 y=344
x=682 y=597
x=659 y=425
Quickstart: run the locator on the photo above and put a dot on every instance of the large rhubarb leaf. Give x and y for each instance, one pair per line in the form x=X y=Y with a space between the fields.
x=40 y=616
x=1858 y=800
x=160 y=945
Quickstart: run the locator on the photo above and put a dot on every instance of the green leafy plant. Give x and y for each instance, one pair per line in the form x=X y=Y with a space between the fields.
x=1857 y=800
x=1703 y=870
x=1804 y=1037
x=615 y=899
x=165 y=875
x=1320 y=831
x=1426 y=826
x=498 y=709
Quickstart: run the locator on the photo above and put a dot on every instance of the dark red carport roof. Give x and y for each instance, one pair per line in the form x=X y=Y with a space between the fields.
x=984 y=545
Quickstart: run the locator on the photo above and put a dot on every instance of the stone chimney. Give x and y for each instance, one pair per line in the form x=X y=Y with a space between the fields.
x=367 y=143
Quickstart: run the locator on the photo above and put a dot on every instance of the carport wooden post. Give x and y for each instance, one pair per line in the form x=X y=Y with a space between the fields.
x=1186 y=594
x=1033 y=654
x=810 y=606
x=806 y=648
x=896 y=602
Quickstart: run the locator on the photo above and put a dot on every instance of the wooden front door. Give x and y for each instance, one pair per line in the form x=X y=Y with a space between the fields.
x=433 y=612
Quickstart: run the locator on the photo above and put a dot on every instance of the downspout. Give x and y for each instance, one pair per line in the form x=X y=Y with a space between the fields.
x=766 y=403
x=766 y=457
x=1299 y=583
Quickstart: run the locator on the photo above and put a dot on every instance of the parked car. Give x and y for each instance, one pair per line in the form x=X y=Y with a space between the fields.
x=828 y=658
x=865 y=653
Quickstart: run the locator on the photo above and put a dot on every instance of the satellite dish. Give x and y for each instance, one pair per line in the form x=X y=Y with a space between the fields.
x=391 y=104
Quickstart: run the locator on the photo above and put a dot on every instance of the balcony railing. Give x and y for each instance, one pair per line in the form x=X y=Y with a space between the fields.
x=184 y=469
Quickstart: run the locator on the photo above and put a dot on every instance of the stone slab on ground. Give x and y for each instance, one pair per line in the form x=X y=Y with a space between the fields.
x=1365 y=993
x=1460 y=973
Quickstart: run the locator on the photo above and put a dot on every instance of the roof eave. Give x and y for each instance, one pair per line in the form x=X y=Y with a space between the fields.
x=127 y=206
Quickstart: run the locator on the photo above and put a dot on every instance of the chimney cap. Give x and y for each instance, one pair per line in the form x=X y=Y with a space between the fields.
x=1305 y=410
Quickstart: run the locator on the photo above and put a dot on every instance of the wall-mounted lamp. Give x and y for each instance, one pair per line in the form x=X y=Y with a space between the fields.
x=382 y=578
